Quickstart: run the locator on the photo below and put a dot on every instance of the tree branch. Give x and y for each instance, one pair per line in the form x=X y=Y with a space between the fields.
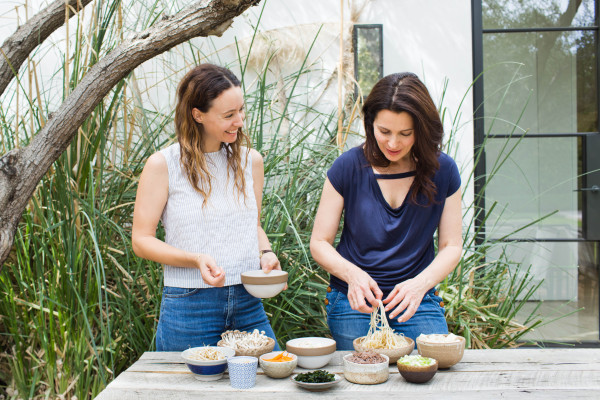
x=19 y=45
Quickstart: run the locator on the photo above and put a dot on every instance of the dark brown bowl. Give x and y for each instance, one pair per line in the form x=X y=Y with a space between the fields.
x=417 y=374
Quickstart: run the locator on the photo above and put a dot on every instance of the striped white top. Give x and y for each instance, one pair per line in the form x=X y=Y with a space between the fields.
x=225 y=228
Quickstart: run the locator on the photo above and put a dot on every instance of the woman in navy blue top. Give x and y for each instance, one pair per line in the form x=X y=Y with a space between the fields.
x=395 y=191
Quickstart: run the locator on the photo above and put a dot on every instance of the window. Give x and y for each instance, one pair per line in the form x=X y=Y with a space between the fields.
x=367 y=41
x=537 y=124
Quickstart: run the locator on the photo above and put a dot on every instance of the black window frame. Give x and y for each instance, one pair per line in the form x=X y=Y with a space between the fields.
x=355 y=50
x=479 y=129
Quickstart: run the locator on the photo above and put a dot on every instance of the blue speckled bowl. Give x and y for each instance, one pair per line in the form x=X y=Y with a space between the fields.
x=207 y=370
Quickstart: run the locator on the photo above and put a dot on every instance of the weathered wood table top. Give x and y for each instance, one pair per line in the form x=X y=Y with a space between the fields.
x=482 y=374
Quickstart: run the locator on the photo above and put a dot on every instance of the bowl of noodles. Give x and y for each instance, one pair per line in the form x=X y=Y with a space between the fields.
x=207 y=363
x=382 y=339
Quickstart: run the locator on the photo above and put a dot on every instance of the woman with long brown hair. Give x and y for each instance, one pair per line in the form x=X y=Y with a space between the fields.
x=207 y=191
x=395 y=190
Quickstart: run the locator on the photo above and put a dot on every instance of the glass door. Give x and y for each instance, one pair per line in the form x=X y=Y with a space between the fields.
x=537 y=122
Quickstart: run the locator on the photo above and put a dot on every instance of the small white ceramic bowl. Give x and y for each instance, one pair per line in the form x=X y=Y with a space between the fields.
x=366 y=374
x=312 y=352
x=262 y=285
x=277 y=369
x=207 y=370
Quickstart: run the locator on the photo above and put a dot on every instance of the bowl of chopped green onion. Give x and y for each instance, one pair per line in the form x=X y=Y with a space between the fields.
x=417 y=369
x=316 y=381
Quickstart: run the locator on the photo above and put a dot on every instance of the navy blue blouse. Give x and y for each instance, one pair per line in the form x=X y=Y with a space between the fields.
x=390 y=244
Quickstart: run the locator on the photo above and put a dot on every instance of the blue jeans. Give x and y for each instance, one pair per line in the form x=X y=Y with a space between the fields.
x=197 y=317
x=347 y=324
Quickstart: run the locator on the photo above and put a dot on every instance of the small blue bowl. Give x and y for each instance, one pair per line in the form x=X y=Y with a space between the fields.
x=207 y=370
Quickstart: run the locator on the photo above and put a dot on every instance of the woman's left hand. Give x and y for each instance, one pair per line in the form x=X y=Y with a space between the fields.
x=269 y=262
x=407 y=296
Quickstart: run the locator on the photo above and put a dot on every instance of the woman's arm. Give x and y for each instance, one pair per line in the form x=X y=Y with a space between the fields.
x=409 y=293
x=151 y=198
x=360 y=285
x=268 y=261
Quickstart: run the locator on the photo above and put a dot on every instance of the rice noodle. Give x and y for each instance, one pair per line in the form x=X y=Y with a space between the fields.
x=380 y=335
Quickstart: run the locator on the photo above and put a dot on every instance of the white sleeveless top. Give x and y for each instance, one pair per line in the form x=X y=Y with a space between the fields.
x=225 y=228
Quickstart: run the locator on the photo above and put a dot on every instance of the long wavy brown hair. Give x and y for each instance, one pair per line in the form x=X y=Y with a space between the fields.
x=198 y=89
x=405 y=92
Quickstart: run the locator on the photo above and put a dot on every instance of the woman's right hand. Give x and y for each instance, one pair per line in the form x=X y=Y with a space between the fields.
x=362 y=287
x=212 y=274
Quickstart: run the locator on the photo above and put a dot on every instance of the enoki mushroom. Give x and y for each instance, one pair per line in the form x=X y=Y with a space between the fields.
x=380 y=335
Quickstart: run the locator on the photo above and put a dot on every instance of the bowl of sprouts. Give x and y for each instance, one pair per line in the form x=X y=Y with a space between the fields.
x=245 y=343
x=312 y=352
x=382 y=339
x=447 y=349
x=207 y=363
x=264 y=285
x=417 y=369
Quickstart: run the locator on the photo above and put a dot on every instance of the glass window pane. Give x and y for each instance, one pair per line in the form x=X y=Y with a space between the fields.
x=529 y=179
x=568 y=294
x=544 y=82
x=510 y=14
x=368 y=47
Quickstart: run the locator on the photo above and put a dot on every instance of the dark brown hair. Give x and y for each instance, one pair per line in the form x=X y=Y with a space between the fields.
x=198 y=89
x=405 y=92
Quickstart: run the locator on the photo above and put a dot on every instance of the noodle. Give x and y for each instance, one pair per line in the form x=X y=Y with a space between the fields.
x=380 y=335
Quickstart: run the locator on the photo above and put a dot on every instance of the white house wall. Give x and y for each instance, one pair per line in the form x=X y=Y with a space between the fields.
x=432 y=38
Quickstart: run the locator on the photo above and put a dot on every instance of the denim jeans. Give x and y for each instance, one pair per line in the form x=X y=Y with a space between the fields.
x=347 y=324
x=197 y=317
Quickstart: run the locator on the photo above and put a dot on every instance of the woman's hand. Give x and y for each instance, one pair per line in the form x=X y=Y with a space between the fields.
x=269 y=262
x=360 y=287
x=407 y=296
x=212 y=274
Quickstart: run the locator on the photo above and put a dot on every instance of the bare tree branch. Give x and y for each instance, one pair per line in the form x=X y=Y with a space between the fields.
x=22 y=169
x=19 y=45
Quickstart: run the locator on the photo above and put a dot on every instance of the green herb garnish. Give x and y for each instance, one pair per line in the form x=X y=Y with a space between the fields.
x=318 y=376
x=415 y=360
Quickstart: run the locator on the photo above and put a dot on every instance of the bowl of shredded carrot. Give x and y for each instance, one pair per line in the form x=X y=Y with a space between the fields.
x=278 y=364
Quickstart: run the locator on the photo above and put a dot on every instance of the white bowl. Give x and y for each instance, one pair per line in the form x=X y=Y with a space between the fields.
x=312 y=352
x=207 y=370
x=264 y=285
x=366 y=374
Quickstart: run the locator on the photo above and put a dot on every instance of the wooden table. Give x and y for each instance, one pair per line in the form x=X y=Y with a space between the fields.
x=482 y=374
